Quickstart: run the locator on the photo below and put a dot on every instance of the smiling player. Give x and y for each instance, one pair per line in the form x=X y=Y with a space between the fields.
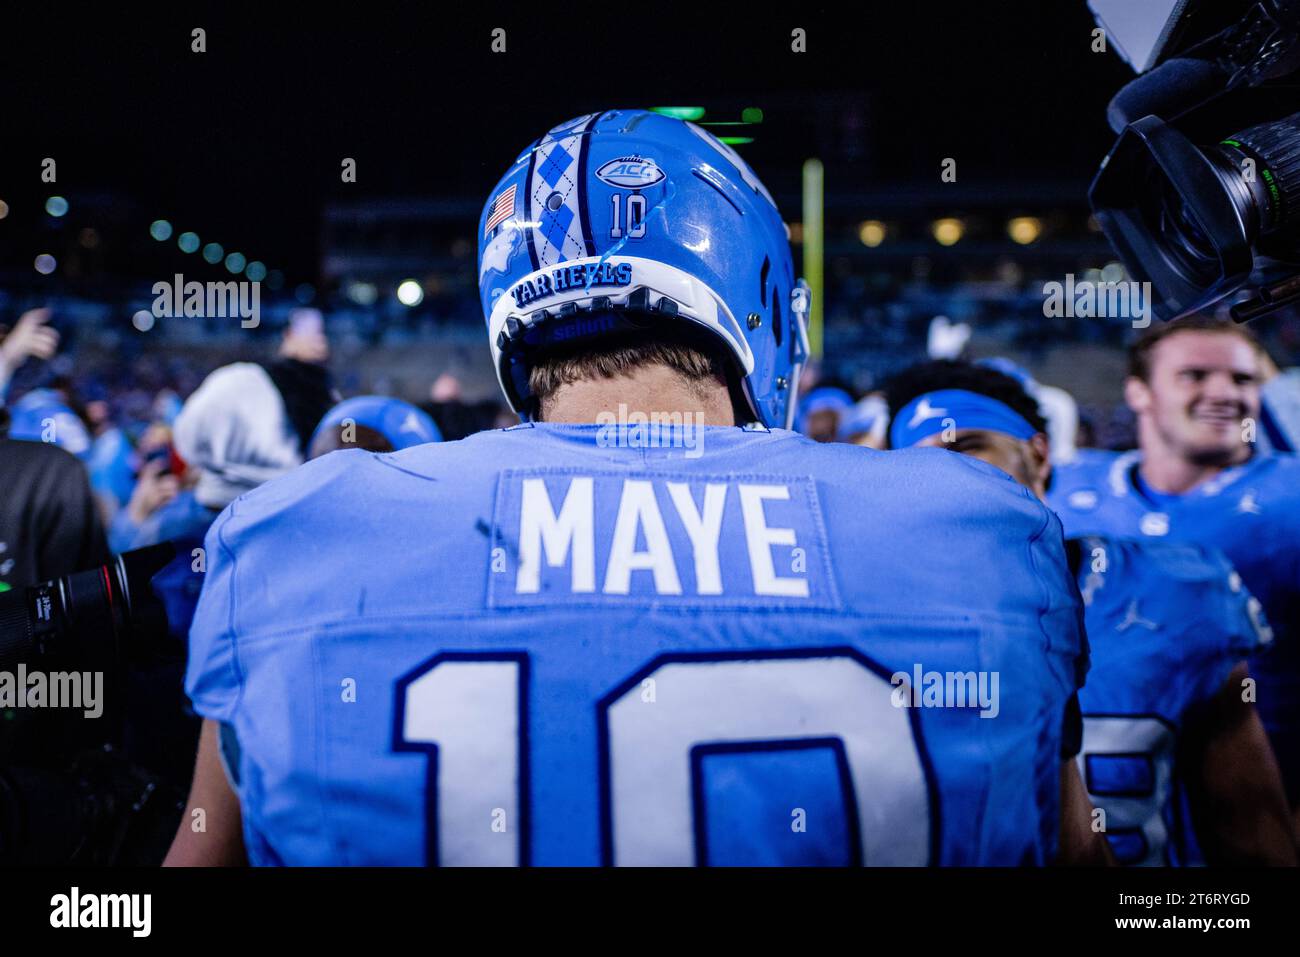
x=1198 y=476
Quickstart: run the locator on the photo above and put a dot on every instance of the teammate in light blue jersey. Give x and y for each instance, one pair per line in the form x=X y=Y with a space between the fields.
x=1198 y=476
x=649 y=626
x=1171 y=751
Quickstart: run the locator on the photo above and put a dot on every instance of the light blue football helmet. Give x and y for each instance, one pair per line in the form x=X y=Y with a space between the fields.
x=618 y=219
x=401 y=423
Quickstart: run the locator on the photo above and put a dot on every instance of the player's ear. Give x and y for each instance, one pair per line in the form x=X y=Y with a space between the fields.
x=1137 y=394
x=1040 y=461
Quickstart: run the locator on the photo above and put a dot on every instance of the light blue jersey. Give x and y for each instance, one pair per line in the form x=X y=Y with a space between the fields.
x=540 y=646
x=1251 y=513
x=1166 y=624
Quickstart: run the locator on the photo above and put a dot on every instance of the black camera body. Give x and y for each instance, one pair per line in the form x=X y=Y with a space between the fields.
x=102 y=792
x=98 y=619
x=1204 y=222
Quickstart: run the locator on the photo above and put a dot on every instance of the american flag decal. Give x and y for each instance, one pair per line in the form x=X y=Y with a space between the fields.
x=503 y=207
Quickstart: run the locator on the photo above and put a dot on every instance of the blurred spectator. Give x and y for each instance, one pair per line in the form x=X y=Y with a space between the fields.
x=232 y=434
x=820 y=412
x=446 y=388
x=30 y=338
x=866 y=423
x=305 y=339
x=245 y=425
x=455 y=418
x=44 y=415
x=110 y=460
x=49 y=524
x=49 y=527
x=946 y=339
x=166 y=406
x=136 y=525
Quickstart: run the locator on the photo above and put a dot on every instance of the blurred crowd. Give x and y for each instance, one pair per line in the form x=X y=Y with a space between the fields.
x=121 y=418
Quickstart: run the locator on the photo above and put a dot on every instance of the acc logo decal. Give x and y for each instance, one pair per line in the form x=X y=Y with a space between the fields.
x=630 y=172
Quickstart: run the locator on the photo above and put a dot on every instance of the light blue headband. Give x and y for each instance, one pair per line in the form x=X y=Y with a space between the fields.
x=931 y=413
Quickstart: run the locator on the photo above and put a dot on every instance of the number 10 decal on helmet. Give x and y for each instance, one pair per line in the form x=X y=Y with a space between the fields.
x=627 y=218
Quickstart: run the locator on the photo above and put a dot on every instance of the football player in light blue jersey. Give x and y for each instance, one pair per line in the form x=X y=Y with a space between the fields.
x=1198 y=476
x=638 y=629
x=1167 y=733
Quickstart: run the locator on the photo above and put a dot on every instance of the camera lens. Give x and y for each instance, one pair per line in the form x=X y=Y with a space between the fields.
x=1261 y=168
x=1257 y=173
x=1170 y=222
x=1183 y=236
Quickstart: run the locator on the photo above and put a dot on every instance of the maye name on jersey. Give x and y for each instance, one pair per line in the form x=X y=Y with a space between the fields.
x=573 y=536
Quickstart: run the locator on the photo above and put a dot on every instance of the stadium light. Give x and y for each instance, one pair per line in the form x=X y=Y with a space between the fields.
x=189 y=242
x=1024 y=229
x=409 y=293
x=872 y=233
x=235 y=263
x=363 y=293
x=1112 y=272
x=947 y=231
x=160 y=230
x=213 y=253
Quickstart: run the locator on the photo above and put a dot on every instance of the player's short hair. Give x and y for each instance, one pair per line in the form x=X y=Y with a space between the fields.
x=1139 y=351
x=692 y=355
x=939 y=374
x=332 y=439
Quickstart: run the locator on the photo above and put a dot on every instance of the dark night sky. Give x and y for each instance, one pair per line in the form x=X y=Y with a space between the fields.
x=246 y=139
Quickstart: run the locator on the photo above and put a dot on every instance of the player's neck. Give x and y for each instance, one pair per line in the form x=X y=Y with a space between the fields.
x=1170 y=473
x=1174 y=476
x=648 y=390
